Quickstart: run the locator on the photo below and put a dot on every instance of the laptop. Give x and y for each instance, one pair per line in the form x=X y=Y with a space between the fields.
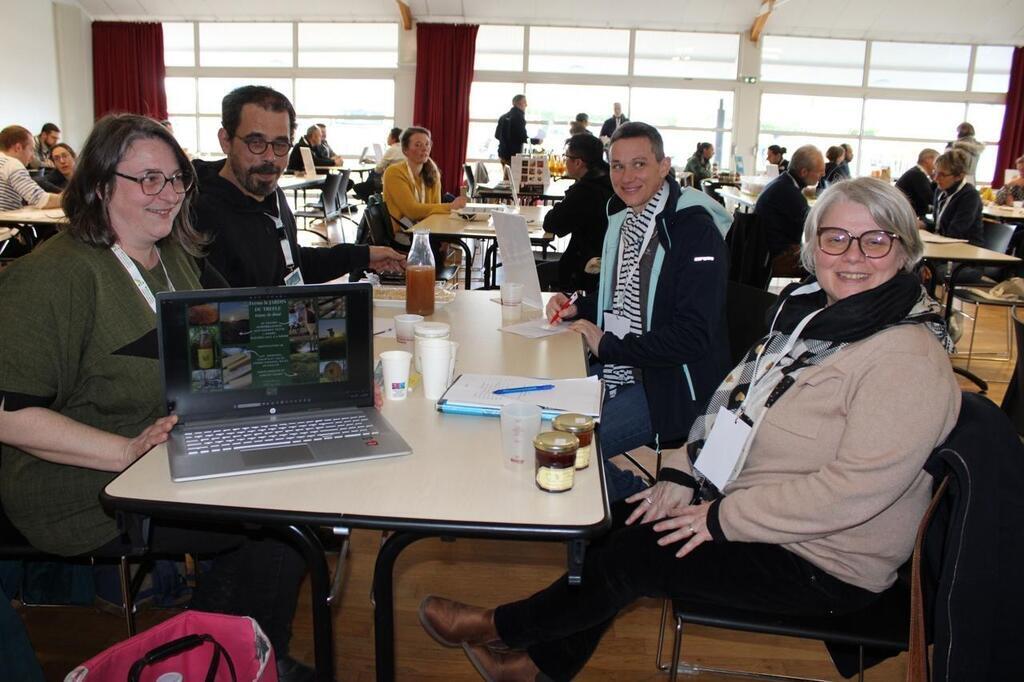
x=308 y=168
x=378 y=152
x=273 y=378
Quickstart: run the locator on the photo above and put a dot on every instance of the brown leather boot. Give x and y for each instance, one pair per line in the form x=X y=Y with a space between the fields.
x=451 y=623
x=499 y=666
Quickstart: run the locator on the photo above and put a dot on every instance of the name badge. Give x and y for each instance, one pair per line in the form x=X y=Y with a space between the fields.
x=293 y=278
x=616 y=324
x=722 y=448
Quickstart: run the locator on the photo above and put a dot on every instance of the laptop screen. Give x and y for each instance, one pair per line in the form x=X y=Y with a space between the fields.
x=266 y=350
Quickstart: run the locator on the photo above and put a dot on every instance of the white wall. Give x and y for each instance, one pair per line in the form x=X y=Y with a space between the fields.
x=29 y=95
x=74 y=72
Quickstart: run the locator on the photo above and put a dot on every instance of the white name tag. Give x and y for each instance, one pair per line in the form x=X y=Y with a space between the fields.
x=616 y=324
x=293 y=278
x=722 y=448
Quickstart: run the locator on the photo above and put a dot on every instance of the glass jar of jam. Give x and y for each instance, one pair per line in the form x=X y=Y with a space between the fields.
x=555 y=460
x=581 y=426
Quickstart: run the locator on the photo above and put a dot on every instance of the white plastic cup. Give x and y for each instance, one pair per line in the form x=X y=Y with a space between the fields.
x=519 y=424
x=428 y=330
x=405 y=326
x=511 y=293
x=396 y=373
x=436 y=359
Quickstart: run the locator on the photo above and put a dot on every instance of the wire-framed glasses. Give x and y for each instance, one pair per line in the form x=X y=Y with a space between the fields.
x=835 y=241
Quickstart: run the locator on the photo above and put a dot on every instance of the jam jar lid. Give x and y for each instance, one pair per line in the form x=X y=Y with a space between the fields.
x=556 y=441
x=573 y=423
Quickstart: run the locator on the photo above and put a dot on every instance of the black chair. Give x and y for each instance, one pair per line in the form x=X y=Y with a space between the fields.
x=375 y=230
x=1013 y=401
x=750 y=262
x=746 y=310
x=329 y=206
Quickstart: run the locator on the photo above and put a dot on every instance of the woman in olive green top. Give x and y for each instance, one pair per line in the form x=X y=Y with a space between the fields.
x=80 y=395
x=700 y=163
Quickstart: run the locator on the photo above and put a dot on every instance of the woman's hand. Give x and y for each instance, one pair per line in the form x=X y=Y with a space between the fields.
x=554 y=305
x=685 y=522
x=458 y=202
x=592 y=334
x=658 y=501
x=154 y=434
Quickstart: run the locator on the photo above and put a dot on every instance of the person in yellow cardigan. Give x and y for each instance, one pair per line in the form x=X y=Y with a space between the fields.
x=412 y=190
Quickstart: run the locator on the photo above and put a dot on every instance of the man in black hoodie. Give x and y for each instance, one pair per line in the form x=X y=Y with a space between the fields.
x=583 y=214
x=240 y=207
x=511 y=130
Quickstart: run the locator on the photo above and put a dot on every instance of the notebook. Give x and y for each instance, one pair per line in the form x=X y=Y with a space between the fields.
x=271 y=378
x=473 y=394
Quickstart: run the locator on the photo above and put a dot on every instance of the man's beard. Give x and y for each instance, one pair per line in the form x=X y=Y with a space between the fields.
x=253 y=185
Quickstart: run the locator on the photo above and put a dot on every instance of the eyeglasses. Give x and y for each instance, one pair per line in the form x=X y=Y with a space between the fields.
x=258 y=145
x=153 y=182
x=835 y=241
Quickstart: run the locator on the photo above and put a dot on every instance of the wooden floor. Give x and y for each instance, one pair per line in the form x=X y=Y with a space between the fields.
x=487 y=573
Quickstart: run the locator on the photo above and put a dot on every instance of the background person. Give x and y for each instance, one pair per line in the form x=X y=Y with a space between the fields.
x=56 y=178
x=511 y=130
x=829 y=486
x=17 y=188
x=837 y=169
x=700 y=163
x=80 y=378
x=1014 y=189
x=775 y=155
x=957 y=202
x=412 y=190
x=782 y=207
x=312 y=140
x=44 y=143
x=967 y=143
x=612 y=123
x=916 y=183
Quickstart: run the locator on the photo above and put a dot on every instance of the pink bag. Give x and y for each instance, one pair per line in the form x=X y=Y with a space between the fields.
x=208 y=647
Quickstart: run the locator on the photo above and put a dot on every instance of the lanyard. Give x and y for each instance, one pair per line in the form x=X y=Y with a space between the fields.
x=133 y=272
x=648 y=234
x=417 y=185
x=945 y=204
x=282 y=235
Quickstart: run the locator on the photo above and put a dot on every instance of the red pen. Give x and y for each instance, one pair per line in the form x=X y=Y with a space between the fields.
x=558 y=313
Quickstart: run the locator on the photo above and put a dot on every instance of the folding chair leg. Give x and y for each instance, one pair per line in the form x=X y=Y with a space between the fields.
x=128 y=596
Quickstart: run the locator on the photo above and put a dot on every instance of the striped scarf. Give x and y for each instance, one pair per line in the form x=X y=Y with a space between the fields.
x=626 y=300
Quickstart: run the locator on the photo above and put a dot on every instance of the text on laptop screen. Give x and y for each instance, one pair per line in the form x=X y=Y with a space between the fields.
x=267 y=343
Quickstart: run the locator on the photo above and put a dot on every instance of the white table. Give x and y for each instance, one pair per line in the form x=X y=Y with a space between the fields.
x=454 y=483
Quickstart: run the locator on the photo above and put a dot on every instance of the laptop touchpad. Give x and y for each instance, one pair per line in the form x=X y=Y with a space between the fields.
x=277 y=457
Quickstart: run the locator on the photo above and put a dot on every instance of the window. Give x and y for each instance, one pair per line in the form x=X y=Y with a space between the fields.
x=681 y=108
x=579 y=50
x=181 y=95
x=913 y=119
x=919 y=66
x=992 y=69
x=179 y=45
x=499 y=48
x=344 y=97
x=348 y=45
x=249 y=45
x=810 y=113
x=812 y=60
x=557 y=105
x=212 y=90
x=686 y=55
x=491 y=100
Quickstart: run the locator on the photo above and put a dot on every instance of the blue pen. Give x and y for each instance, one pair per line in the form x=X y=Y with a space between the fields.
x=524 y=389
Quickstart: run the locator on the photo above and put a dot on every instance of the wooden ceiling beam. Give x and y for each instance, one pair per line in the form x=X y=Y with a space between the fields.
x=406 y=13
x=767 y=6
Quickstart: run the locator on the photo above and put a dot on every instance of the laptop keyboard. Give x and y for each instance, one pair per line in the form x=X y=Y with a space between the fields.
x=278 y=434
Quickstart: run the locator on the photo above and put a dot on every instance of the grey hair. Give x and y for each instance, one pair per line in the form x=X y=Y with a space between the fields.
x=954 y=161
x=889 y=209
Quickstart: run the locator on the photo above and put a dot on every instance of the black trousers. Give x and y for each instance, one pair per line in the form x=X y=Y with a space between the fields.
x=254 y=574
x=561 y=626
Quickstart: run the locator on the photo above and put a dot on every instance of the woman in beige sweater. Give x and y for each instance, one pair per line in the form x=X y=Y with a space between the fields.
x=834 y=413
x=412 y=190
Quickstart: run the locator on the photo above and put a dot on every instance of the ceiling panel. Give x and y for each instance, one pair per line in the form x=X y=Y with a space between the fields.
x=977 y=21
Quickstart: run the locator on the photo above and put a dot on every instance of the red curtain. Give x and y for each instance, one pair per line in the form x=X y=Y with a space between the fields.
x=444 y=73
x=128 y=69
x=1011 y=142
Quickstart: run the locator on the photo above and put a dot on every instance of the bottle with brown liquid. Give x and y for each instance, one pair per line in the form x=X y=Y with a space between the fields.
x=419 y=276
x=204 y=354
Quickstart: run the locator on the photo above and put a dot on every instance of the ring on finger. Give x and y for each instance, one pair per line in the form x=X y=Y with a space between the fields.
x=692 y=530
x=647 y=500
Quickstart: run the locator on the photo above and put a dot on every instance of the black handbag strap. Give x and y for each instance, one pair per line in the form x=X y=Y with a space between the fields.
x=179 y=646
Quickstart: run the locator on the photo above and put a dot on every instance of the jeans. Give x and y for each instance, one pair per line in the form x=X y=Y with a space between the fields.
x=561 y=626
x=253 y=574
x=625 y=425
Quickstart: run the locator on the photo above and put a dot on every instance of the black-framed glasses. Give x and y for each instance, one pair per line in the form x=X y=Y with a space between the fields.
x=153 y=182
x=835 y=241
x=258 y=145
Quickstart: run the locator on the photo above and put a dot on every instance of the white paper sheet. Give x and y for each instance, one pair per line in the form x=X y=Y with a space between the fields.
x=536 y=329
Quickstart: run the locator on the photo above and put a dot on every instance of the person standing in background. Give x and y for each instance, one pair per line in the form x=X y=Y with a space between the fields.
x=511 y=130
x=612 y=124
x=970 y=146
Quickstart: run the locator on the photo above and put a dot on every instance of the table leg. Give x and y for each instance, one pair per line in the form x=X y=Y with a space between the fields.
x=384 y=602
x=323 y=633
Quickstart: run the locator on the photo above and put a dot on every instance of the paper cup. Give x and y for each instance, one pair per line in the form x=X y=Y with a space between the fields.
x=405 y=326
x=519 y=424
x=511 y=293
x=428 y=330
x=436 y=360
x=396 y=373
